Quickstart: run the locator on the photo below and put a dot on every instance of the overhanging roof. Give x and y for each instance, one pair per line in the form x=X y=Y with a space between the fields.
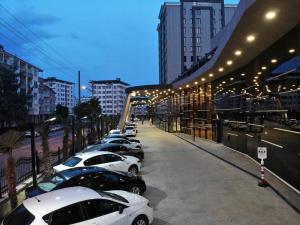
x=248 y=19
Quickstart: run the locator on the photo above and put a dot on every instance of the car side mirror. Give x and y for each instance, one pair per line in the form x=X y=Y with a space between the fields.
x=121 y=209
x=122 y=159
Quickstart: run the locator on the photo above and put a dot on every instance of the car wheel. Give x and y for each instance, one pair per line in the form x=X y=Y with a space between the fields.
x=135 y=189
x=141 y=220
x=133 y=169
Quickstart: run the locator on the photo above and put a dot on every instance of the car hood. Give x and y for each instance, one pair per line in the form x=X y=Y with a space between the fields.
x=130 y=197
x=131 y=159
x=61 y=167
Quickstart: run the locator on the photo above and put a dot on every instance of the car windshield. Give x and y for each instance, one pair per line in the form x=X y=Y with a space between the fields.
x=19 y=216
x=113 y=196
x=71 y=162
x=115 y=132
x=129 y=128
x=50 y=183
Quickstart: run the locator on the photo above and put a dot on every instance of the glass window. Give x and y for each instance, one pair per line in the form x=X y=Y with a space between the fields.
x=71 y=162
x=96 y=208
x=67 y=215
x=95 y=160
x=49 y=184
x=19 y=216
x=112 y=158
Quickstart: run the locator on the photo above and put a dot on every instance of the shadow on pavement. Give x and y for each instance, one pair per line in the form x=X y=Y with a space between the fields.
x=157 y=221
x=155 y=196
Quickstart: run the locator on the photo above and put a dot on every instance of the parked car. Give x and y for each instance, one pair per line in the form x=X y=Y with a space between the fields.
x=116 y=148
x=28 y=134
x=80 y=205
x=130 y=131
x=96 y=178
x=119 y=136
x=115 y=132
x=122 y=141
x=103 y=159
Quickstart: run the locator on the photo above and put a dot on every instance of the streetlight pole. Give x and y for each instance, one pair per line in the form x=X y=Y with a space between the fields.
x=73 y=136
x=33 y=154
x=79 y=88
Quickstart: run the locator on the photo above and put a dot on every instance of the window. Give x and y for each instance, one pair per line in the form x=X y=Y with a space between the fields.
x=96 y=208
x=184 y=58
x=71 y=162
x=95 y=160
x=19 y=216
x=198 y=40
x=192 y=59
x=112 y=158
x=67 y=215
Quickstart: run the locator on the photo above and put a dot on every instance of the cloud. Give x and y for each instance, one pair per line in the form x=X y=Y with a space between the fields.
x=32 y=18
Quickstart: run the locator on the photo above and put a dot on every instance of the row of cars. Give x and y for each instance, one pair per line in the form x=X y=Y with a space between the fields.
x=100 y=185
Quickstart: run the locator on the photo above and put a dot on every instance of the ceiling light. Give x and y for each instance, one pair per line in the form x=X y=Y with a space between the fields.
x=229 y=62
x=270 y=15
x=211 y=75
x=221 y=69
x=264 y=68
x=292 y=50
x=238 y=52
x=274 y=61
x=250 y=38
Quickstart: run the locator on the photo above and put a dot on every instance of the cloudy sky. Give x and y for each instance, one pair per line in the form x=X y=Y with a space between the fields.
x=104 y=39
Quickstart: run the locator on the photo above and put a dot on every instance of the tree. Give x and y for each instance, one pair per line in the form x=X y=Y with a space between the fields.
x=13 y=101
x=44 y=131
x=9 y=141
x=62 y=114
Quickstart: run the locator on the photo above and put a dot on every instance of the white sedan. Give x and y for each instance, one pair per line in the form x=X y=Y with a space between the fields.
x=103 y=159
x=130 y=131
x=121 y=141
x=115 y=132
x=82 y=206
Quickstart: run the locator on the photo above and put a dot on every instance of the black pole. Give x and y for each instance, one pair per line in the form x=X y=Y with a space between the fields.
x=73 y=136
x=33 y=154
x=79 y=88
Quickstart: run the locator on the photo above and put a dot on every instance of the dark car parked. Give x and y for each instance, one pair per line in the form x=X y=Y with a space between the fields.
x=120 y=136
x=95 y=178
x=116 y=148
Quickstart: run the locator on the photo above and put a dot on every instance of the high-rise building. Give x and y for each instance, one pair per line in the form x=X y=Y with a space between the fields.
x=47 y=98
x=64 y=92
x=111 y=95
x=185 y=32
x=28 y=76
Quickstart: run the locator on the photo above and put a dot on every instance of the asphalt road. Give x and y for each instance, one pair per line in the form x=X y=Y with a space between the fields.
x=187 y=186
x=55 y=141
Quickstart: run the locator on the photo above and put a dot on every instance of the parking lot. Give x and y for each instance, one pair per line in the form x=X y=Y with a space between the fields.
x=187 y=186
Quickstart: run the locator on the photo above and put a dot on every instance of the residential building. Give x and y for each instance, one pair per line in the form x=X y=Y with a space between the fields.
x=85 y=98
x=185 y=32
x=111 y=95
x=64 y=92
x=47 y=99
x=28 y=76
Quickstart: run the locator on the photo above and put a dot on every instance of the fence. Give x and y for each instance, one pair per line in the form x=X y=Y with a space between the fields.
x=24 y=169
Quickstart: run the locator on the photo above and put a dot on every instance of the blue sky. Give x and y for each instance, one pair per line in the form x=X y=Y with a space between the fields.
x=104 y=39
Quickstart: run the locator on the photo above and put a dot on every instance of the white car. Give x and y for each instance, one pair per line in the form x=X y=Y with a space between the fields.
x=115 y=132
x=121 y=141
x=103 y=159
x=82 y=206
x=130 y=131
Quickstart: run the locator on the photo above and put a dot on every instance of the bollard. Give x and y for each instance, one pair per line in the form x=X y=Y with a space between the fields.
x=262 y=182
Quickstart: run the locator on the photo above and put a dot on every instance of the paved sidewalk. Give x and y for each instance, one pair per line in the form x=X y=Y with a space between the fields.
x=188 y=186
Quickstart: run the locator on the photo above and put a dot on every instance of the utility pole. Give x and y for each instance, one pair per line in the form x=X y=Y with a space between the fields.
x=79 y=88
x=33 y=154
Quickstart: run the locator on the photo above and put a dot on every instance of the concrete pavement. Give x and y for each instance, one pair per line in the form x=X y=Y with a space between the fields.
x=188 y=186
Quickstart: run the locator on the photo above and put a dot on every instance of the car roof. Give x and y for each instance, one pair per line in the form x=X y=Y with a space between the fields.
x=87 y=155
x=53 y=200
x=77 y=171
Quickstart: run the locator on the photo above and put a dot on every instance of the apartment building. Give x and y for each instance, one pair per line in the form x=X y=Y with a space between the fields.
x=111 y=95
x=28 y=76
x=47 y=99
x=185 y=32
x=64 y=92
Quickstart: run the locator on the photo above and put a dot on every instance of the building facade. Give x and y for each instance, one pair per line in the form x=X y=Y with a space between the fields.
x=47 y=99
x=111 y=95
x=28 y=76
x=185 y=32
x=64 y=92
